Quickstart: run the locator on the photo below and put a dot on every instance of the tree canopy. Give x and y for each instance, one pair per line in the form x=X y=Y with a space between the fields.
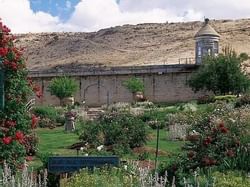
x=222 y=74
x=63 y=87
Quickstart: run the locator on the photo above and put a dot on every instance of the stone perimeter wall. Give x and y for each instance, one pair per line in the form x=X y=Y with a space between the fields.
x=103 y=85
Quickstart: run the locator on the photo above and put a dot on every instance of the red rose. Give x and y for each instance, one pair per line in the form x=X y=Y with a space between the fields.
x=3 y=51
x=214 y=130
x=206 y=161
x=39 y=94
x=7 y=140
x=221 y=125
x=29 y=158
x=36 y=88
x=207 y=141
x=10 y=123
x=19 y=136
x=224 y=130
x=230 y=153
x=191 y=154
x=237 y=142
x=212 y=162
x=34 y=121
x=13 y=66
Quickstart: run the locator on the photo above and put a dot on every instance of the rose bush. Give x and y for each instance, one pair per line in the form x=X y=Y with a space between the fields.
x=15 y=121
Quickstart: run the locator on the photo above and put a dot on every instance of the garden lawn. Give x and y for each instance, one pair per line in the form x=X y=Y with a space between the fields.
x=56 y=141
x=53 y=141
x=165 y=145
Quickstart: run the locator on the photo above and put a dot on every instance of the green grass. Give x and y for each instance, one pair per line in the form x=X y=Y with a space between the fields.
x=170 y=147
x=53 y=141
x=164 y=144
x=56 y=141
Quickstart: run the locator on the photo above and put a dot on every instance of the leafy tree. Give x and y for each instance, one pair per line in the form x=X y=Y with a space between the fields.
x=63 y=87
x=222 y=74
x=134 y=85
x=15 y=121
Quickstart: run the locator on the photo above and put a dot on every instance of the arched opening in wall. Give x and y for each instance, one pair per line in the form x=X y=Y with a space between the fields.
x=96 y=95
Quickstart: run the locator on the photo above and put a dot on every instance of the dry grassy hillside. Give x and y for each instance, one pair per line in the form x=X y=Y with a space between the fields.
x=128 y=45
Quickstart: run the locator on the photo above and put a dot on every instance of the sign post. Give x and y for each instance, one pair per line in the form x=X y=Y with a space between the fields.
x=1 y=85
x=61 y=164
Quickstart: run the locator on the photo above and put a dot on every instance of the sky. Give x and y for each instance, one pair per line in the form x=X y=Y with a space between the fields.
x=24 y=16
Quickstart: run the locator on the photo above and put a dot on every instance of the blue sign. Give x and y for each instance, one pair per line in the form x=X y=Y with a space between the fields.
x=72 y=164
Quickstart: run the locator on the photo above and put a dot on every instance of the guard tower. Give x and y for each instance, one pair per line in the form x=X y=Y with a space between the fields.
x=207 y=42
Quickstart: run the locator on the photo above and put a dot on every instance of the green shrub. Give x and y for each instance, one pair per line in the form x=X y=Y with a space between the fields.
x=31 y=143
x=240 y=161
x=157 y=124
x=157 y=116
x=226 y=98
x=49 y=116
x=134 y=85
x=103 y=177
x=188 y=107
x=143 y=156
x=243 y=100
x=46 y=112
x=115 y=130
x=63 y=87
x=145 y=104
x=91 y=132
x=46 y=123
x=231 y=179
x=205 y=99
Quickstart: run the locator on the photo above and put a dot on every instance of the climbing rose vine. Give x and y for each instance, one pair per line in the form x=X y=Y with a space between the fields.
x=15 y=121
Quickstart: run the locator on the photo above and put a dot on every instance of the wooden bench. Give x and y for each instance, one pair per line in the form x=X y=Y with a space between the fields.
x=59 y=164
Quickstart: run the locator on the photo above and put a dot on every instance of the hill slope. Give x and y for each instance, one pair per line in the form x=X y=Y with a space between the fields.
x=127 y=45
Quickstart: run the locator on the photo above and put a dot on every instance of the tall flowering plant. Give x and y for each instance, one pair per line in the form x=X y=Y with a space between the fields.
x=15 y=121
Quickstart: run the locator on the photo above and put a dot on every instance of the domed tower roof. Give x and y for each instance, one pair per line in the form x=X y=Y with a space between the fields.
x=206 y=30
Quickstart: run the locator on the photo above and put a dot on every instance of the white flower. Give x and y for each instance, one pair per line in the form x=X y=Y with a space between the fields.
x=232 y=120
x=125 y=167
x=81 y=148
x=99 y=148
x=86 y=154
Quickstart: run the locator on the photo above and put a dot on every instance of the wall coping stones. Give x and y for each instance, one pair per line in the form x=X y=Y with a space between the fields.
x=117 y=70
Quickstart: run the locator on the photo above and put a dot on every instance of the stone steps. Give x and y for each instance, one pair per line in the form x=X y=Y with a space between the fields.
x=94 y=113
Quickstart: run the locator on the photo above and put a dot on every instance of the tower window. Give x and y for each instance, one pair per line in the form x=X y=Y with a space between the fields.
x=209 y=52
x=199 y=51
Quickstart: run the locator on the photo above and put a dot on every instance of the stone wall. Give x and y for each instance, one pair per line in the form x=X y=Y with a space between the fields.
x=105 y=85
